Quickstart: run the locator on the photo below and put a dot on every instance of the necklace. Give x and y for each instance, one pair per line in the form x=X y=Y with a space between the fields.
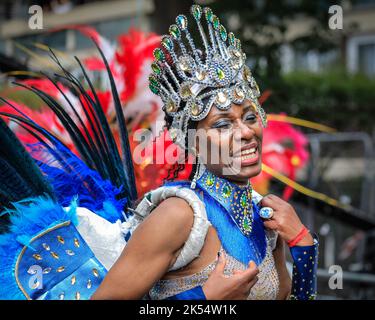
x=235 y=199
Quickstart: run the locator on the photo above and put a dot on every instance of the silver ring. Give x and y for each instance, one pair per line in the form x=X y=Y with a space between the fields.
x=266 y=213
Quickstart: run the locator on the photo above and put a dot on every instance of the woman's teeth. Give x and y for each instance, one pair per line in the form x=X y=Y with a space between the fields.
x=248 y=154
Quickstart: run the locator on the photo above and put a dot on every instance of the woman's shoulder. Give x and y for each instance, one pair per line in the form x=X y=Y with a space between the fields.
x=182 y=207
x=173 y=201
x=178 y=200
x=178 y=193
x=176 y=210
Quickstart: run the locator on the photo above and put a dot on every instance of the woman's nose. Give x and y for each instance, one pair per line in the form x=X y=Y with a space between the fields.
x=244 y=132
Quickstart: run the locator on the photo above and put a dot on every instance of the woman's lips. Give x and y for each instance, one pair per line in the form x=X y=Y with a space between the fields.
x=248 y=157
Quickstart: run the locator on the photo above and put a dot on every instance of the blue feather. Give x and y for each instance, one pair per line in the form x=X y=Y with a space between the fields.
x=71 y=177
x=28 y=218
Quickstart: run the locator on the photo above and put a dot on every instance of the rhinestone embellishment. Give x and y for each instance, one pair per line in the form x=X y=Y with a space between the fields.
x=61 y=239
x=37 y=256
x=76 y=242
x=211 y=72
x=60 y=269
x=237 y=201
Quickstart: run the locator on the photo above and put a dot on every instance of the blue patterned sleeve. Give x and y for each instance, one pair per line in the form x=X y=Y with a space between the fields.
x=195 y=293
x=304 y=282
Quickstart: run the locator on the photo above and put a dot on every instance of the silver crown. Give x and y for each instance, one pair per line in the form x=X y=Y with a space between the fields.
x=216 y=74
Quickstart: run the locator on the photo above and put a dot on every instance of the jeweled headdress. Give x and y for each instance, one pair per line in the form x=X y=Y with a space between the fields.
x=190 y=80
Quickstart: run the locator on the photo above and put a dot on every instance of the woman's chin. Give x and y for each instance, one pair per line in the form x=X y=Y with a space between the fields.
x=251 y=171
x=242 y=174
x=238 y=172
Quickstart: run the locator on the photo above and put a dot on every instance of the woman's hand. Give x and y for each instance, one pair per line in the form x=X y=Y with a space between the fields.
x=285 y=220
x=234 y=287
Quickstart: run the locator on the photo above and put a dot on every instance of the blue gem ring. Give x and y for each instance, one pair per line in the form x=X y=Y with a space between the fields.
x=266 y=213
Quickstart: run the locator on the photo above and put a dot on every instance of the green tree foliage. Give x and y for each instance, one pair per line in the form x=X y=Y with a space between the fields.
x=263 y=27
x=333 y=97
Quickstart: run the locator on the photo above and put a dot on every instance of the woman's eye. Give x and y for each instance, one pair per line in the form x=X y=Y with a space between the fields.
x=221 y=125
x=250 y=117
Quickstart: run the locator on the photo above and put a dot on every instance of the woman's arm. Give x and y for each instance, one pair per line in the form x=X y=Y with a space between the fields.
x=302 y=244
x=149 y=253
x=280 y=263
x=303 y=284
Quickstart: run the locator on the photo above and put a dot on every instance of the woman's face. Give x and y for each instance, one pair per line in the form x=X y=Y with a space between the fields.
x=230 y=142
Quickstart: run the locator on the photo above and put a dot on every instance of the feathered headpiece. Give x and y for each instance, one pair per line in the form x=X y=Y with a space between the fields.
x=190 y=80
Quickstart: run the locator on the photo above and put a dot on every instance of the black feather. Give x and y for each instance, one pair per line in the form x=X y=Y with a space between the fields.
x=125 y=146
x=99 y=150
x=20 y=177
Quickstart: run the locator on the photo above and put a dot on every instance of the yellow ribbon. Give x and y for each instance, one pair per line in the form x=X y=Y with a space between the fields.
x=300 y=122
x=306 y=191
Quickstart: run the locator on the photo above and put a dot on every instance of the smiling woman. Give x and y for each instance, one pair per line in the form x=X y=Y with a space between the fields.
x=205 y=238
x=236 y=135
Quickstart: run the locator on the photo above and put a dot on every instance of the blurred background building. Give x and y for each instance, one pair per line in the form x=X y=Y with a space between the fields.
x=309 y=70
x=113 y=17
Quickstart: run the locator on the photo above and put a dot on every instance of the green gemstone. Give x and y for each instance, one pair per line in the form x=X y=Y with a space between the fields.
x=196 y=11
x=210 y=181
x=154 y=84
x=231 y=38
x=215 y=22
x=154 y=89
x=156 y=68
x=220 y=73
x=223 y=33
x=159 y=55
x=174 y=31
x=237 y=44
x=246 y=223
x=153 y=81
x=167 y=43
x=181 y=21
x=209 y=14
x=243 y=200
x=227 y=191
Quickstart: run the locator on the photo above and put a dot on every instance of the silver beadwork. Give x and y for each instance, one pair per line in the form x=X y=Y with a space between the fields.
x=200 y=168
x=184 y=75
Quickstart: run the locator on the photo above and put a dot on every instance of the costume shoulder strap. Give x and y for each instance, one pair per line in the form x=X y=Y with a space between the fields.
x=195 y=241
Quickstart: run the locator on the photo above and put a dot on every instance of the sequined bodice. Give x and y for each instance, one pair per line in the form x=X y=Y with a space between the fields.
x=266 y=288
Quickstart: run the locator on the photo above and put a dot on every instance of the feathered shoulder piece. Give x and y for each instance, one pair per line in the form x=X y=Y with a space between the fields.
x=43 y=256
x=42 y=253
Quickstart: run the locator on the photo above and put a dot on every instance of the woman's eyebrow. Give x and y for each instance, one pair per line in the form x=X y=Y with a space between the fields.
x=223 y=114
x=248 y=108
x=220 y=115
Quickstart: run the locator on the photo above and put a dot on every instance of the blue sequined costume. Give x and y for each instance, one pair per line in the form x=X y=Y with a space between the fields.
x=234 y=214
